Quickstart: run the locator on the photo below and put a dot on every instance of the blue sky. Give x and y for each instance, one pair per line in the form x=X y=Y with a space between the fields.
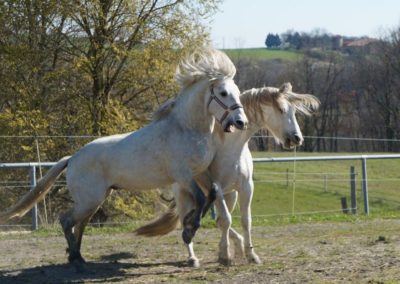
x=245 y=23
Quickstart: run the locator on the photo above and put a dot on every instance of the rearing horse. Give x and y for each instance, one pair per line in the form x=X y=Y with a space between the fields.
x=232 y=168
x=176 y=147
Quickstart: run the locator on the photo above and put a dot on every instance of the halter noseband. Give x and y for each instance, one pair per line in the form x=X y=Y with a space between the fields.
x=221 y=104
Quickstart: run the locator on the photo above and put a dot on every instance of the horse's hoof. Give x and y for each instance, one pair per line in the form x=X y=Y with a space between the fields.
x=254 y=259
x=194 y=262
x=76 y=258
x=225 y=261
x=80 y=265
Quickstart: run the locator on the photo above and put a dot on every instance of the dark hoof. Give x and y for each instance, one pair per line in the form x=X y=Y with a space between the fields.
x=76 y=258
x=80 y=267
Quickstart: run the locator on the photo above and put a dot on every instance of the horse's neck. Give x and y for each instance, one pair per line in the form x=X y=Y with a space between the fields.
x=191 y=109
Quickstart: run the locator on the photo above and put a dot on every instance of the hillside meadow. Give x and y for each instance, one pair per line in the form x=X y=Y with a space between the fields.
x=262 y=54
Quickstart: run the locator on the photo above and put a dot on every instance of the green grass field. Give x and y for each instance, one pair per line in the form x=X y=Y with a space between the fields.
x=319 y=186
x=262 y=54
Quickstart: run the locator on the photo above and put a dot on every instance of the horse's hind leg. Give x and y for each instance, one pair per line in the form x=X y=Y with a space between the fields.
x=80 y=226
x=78 y=231
x=68 y=222
x=73 y=223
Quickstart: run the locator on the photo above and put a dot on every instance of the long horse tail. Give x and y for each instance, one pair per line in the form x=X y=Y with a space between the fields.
x=162 y=225
x=37 y=193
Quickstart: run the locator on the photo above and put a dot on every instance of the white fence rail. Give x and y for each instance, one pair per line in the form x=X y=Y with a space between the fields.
x=363 y=158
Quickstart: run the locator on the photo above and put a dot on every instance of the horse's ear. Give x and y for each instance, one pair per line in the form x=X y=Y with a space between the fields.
x=285 y=88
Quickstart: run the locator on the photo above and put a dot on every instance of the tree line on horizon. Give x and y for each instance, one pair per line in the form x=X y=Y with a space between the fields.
x=307 y=40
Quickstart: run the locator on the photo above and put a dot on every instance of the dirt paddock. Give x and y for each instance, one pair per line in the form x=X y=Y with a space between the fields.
x=360 y=252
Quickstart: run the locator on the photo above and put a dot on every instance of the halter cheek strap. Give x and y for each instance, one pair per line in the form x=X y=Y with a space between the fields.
x=221 y=104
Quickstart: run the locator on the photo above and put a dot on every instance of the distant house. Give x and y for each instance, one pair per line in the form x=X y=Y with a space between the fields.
x=363 y=45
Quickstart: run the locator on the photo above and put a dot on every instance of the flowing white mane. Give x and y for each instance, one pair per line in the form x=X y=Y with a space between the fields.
x=253 y=99
x=205 y=63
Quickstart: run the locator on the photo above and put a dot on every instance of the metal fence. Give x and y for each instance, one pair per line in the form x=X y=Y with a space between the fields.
x=364 y=174
x=362 y=158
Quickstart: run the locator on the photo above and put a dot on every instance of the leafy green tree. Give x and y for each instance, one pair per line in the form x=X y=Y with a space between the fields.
x=88 y=67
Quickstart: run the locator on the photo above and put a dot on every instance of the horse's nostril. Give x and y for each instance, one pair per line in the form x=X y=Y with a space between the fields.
x=240 y=124
x=297 y=138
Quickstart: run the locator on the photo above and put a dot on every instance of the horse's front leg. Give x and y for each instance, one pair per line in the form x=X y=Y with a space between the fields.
x=184 y=204
x=230 y=200
x=192 y=220
x=224 y=222
x=245 y=197
x=193 y=260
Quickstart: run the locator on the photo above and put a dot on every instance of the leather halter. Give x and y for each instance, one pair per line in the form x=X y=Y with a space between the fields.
x=221 y=104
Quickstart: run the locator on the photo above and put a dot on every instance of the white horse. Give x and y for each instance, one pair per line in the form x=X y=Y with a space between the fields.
x=175 y=148
x=232 y=167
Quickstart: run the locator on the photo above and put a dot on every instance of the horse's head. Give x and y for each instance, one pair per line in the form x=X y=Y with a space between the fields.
x=215 y=70
x=275 y=109
x=224 y=104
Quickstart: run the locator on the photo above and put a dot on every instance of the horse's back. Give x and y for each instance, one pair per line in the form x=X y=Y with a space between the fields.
x=131 y=160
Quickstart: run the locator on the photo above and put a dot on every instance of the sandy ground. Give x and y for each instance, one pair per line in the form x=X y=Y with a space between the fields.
x=360 y=252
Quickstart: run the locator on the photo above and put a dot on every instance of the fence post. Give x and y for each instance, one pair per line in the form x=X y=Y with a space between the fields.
x=34 y=208
x=365 y=185
x=353 y=190
x=287 y=177
x=343 y=201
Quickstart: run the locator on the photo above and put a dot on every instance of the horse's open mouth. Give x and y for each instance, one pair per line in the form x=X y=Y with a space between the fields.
x=288 y=144
x=229 y=127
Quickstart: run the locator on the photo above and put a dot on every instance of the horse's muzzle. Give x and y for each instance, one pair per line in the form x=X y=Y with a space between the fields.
x=292 y=141
x=231 y=125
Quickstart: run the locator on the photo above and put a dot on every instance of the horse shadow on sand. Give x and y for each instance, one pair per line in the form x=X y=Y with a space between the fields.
x=111 y=268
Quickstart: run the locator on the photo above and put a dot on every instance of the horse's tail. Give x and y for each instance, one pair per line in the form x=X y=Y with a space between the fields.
x=37 y=193
x=162 y=225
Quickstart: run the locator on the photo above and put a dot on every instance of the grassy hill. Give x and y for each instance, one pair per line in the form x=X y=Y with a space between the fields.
x=262 y=54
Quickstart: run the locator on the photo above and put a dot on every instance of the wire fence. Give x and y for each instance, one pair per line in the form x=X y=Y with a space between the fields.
x=319 y=185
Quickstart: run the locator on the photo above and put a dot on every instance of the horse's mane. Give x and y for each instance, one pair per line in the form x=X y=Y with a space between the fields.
x=205 y=63
x=253 y=99
x=164 y=109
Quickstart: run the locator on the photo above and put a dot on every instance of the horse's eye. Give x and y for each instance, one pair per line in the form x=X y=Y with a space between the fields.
x=223 y=93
